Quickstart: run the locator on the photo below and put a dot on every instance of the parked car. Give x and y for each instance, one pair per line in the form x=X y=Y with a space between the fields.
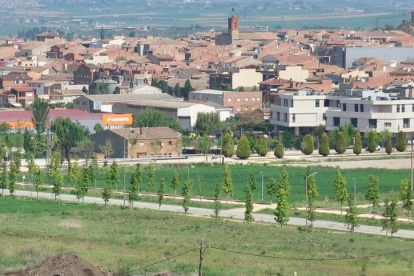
x=377 y=148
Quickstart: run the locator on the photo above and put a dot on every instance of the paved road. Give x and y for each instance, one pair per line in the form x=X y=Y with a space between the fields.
x=234 y=214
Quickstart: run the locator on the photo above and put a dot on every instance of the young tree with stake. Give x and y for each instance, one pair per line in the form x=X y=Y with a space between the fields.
x=227 y=181
x=134 y=185
x=312 y=195
x=186 y=193
x=406 y=196
x=351 y=217
x=161 y=192
x=249 y=203
x=114 y=178
x=217 y=205
x=390 y=214
x=341 y=191
x=282 y=208
x=57 y=184
x=372 y=193
x=271 y=188
x=175 y=182
x=150 y=177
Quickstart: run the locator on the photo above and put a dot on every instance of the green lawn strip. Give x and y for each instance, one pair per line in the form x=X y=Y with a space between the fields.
x=143 y=198
x=120 y=240
x=340 y=218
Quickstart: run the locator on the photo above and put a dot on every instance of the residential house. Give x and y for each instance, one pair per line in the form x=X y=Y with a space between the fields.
x=139 y=142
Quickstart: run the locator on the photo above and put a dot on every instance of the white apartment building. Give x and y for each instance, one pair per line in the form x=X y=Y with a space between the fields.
x=365 y=109
x=302 y=111
x=374 y=114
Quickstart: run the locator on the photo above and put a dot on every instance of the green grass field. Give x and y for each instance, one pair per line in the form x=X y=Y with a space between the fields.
x=121 y=240
x=205 y=176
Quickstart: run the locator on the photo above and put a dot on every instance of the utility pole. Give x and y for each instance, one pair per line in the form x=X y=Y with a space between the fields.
x=124 y=186
x=203 y=248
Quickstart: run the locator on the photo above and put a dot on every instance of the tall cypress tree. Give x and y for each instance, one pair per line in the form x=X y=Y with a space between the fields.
x=388 y=145
x=358 y=146
x=340 y=143
x=401 y=144
x=261 y=146
x=371 y=141
x=243 y=148
x=324 y=145
x=228 y=145
x=307 y=145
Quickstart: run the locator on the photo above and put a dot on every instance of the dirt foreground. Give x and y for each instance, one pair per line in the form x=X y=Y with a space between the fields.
x=67 y=264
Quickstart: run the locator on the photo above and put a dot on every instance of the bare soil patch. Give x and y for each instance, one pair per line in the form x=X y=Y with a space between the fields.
x=66 y=264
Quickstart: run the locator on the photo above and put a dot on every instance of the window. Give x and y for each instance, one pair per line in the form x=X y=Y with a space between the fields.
x=229 y=99
x=403 y=108
x=170 y=143
x=278 y=116
x=354 y=122
x=84 y=103
x=258 y=99
x=336 y=121
x=398 y=108
x=293 y=118
x=141 y=144
x=238 y=99
x=372 y=123
x=406 y=123
x=246 y=99
x=412 y=108
x=285 y=118
x=253 y=99
x=291 y=103
x=361 y=107
x=285 y=102
x=77 y=102
x=344 y=107
x=316 y=103
x=356 y=107
x=388 y=124
x=326 y=103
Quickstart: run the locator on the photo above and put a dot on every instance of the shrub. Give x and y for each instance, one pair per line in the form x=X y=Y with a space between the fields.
x=307 y=144
x=324 y=145
x=371 y=141
x=340 y=145
x=261 y=146
x=388 y=145
x=243 y=148
x=279 y=151
x=228 y=145
x=401 y=144
x=358 y=145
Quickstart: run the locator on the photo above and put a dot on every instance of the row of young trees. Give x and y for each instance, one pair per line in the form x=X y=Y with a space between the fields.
x=281 y=190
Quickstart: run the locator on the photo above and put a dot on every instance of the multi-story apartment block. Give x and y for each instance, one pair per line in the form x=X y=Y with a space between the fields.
x=365 y=109
x=376 y=113
x=302 y=111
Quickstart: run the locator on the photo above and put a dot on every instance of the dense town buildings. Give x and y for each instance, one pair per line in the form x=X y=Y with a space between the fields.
x=302 y=76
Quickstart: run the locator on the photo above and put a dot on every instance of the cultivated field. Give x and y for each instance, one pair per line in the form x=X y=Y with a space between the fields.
x=206 y=175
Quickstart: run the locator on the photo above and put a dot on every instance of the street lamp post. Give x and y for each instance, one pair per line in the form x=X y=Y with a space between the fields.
x=262 y=186
x=354 y=187
x=306 y=190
